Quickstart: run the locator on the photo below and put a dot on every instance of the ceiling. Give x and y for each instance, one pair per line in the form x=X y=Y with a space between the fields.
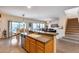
x=36 y=12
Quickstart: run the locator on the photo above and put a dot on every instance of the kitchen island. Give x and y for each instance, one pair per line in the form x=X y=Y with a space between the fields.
x=40 y=42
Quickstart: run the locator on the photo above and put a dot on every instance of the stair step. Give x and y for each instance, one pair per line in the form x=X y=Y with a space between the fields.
x=75 y=36
x=72 y=38
x=68 y=25
x=68 y=33
x=73 y=28
x=72 y=33
x=72 y=41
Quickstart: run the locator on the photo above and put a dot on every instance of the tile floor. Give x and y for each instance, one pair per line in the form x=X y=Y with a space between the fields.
x=10 y=46
x=13 y=46
x=67 y=47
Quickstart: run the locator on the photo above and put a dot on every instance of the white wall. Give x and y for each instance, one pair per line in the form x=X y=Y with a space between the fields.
x=62 y=23
x=72 y=13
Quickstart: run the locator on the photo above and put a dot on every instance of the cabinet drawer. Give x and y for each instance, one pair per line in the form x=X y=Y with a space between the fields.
x=40 y=44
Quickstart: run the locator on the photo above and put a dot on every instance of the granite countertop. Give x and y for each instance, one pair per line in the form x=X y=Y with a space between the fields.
x=47 y=33
x=39 y=37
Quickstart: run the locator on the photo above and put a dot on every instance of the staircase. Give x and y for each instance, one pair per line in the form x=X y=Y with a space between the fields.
x=72 y=26
x=72 y=31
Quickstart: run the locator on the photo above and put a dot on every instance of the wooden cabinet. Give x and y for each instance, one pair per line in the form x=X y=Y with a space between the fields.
x=49 y=47
x=34 y=46
x=40 y=49
x=42 y=45
x=27 y=42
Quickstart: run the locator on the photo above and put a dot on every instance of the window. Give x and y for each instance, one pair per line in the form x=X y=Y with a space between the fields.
x=22 y=25
x=42 y=26
x=38 y=26
x=35 y=26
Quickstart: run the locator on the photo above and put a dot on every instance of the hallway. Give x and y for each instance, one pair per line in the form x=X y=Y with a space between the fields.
x=10 y=46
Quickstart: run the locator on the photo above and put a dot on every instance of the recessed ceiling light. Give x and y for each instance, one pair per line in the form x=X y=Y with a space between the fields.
x=29 y=7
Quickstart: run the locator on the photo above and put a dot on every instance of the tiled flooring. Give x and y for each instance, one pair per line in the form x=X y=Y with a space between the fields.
x=67 y=47
x=10 y=46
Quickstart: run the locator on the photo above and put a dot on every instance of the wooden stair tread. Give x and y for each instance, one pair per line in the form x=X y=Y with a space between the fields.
x=71 y=38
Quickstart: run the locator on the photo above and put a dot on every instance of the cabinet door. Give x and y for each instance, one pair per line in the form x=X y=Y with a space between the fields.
x=32 y=47
x=40 y=49
x=40 y=44
x=49 y=47
x=27 y=44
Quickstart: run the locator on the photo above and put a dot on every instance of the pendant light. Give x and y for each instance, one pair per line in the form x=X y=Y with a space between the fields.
x=23 y=24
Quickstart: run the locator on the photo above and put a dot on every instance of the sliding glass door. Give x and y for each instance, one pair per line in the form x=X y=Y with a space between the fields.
x=14 y=26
